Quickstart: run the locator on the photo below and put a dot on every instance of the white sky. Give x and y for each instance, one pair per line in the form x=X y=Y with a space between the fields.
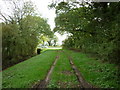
x=42 y=6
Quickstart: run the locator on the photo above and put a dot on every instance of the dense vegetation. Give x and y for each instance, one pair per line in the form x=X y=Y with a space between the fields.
x=93 y=30
x=93 y=27
x=22 y=31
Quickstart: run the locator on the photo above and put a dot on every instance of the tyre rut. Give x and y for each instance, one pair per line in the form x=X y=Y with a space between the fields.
x=82 y=81
x=43 y=83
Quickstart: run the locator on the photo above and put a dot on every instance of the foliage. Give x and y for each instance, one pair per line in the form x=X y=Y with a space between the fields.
x=94 y=28
x=21 y=34
x=53 y=41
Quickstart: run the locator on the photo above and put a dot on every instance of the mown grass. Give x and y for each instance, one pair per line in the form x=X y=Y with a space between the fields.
x=25 y=74
x=50 y=48
x=63 y=75
x=101 y=75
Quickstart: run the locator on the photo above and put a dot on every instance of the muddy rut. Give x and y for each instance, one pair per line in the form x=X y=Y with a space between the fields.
x=82 y=82
x=43 y=83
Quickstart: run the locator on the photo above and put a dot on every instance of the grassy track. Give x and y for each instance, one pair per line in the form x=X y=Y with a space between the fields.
x=24 y=74
x=100 y=74
x=63 y=75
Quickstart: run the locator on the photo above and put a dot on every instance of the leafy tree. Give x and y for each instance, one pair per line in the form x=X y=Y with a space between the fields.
x=52 y=41
x=21 y=33
x=93 y=27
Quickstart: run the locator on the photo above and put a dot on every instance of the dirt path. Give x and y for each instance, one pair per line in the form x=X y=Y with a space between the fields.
x=43 y=83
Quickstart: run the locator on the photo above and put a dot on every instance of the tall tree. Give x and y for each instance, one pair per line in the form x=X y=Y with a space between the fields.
x=22 y=30
x=93 y=27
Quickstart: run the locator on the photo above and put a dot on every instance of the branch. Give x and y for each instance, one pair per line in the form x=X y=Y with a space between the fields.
x=80 y=30
x=4 y=18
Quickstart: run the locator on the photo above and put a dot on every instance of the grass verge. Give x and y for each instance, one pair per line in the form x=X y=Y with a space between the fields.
x=102 y=75
x=25 y=74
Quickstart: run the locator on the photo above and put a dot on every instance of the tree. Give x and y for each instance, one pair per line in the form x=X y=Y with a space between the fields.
x=52 y=41
x=93 y=28
x=16 y=11
x=22 y=30
x=55 y=39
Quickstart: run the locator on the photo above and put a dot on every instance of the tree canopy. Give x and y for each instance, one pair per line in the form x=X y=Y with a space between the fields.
x=94 y=27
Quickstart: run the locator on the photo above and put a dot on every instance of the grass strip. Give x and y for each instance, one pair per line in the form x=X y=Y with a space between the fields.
x=25 y=74
x=102 y=75
x=63 y=76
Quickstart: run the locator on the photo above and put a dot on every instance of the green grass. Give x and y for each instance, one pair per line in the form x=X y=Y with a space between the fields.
x=45 y=49
x=63 y=75
x=103 y=75
x=26 y=73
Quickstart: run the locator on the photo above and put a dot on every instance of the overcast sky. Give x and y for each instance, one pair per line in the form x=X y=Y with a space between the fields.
x=42 y=7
